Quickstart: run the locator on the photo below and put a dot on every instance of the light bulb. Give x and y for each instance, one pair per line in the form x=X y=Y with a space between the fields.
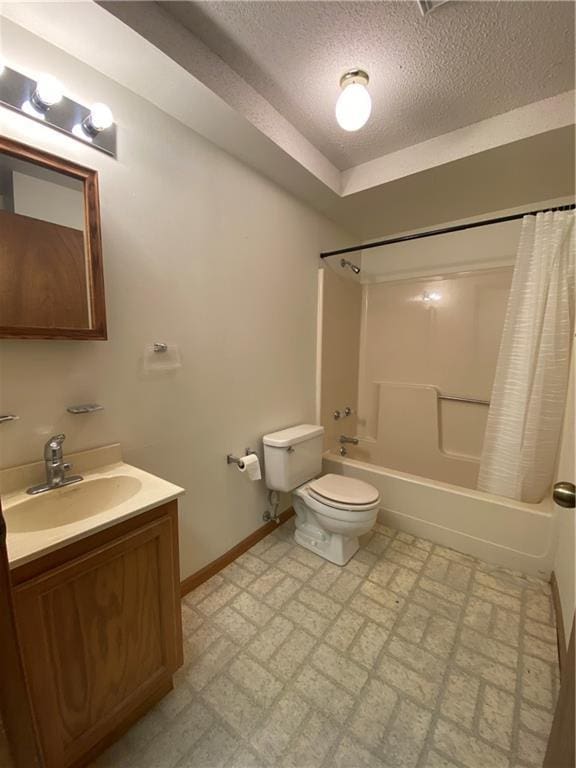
x=80 y=132
x=354 y=104
x=49 y=91
x=31 y=109
x=100 y=117
x=431 y=297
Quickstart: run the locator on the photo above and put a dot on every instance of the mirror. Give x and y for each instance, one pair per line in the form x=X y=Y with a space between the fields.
x=51 y=279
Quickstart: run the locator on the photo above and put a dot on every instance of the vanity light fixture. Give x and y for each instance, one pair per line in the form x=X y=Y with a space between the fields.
x=29 y=109
x=354 y=104
x=43 y=99
x=48 y=91
x=98 y=120
x=46 y=94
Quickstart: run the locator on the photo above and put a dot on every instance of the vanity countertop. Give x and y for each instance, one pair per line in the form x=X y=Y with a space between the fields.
x=110 y=492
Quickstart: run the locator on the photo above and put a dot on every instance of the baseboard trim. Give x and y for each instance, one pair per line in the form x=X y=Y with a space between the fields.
x=560 y=634
x=193 y=581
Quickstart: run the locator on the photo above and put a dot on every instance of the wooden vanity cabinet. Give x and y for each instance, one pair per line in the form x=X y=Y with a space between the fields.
x=100 y=631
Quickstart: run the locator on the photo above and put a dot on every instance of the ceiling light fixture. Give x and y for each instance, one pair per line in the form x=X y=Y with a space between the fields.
x=431 y=298
x=354 y=104
x=427 y=6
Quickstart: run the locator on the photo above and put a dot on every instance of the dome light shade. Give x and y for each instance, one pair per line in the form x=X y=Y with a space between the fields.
x=354 y=104
x=49 y=91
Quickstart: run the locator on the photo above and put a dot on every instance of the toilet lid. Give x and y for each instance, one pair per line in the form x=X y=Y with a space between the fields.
x=344 y=490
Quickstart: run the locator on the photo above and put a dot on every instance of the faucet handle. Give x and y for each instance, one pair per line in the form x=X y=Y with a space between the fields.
x=53 y=448
x=59 y=439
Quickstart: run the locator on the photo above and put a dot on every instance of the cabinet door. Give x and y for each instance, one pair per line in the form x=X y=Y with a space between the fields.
x=99 y=638
x=18 y=723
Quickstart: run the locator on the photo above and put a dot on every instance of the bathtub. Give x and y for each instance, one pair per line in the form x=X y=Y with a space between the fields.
x=507 y=533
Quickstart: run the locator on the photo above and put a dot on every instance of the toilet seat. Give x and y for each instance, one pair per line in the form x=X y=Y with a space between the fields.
x=341 y=492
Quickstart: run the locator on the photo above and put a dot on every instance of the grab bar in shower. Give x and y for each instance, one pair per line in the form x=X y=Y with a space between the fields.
x=458 y=399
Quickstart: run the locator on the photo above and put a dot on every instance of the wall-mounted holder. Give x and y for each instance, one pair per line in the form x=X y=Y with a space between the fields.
x=85 y=408
x=8 y=417
x=20 y=93
x=231 y=459
x=160 y=356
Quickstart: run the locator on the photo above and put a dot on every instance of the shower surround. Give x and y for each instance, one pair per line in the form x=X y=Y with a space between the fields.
x=393 y=348
x=407 y=345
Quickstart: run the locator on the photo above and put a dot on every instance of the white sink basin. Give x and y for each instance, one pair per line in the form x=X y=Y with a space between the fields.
x=70 y=504
x=111 y=491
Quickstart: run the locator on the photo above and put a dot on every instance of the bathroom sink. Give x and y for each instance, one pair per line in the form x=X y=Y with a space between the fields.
x=70 y=504
x=110 y=493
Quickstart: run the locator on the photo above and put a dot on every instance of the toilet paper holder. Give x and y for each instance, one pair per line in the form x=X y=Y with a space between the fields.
x=231 y=459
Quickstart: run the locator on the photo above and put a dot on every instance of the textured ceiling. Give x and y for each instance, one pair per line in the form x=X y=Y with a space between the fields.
x=429 y=75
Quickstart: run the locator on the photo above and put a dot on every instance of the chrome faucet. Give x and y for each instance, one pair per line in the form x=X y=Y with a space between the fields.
x=351 y=440
x=56 y=467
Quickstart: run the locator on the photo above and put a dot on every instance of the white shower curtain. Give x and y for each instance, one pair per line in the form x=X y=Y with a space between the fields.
x=529 y=393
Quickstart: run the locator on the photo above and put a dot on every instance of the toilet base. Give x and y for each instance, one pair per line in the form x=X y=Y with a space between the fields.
x=334 y=547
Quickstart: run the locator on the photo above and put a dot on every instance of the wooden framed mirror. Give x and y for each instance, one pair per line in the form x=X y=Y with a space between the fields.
x=51 y=275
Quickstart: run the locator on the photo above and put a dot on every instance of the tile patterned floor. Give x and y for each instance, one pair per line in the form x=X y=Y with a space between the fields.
x=411 y=656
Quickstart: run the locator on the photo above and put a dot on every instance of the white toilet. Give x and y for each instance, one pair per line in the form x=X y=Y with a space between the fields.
x=332 y=511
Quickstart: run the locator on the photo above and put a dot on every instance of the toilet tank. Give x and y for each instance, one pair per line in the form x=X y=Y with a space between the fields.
x=292 y=456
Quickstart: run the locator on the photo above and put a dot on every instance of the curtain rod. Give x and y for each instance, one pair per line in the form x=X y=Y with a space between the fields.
x=444 y=231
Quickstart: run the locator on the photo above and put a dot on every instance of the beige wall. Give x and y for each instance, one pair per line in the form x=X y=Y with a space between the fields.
x=341 y=303
x=199 y=252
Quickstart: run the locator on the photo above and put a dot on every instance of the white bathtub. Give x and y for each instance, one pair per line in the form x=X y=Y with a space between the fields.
x=502 y=531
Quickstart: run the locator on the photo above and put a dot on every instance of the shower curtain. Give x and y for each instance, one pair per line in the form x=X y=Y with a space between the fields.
x=529 y=392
